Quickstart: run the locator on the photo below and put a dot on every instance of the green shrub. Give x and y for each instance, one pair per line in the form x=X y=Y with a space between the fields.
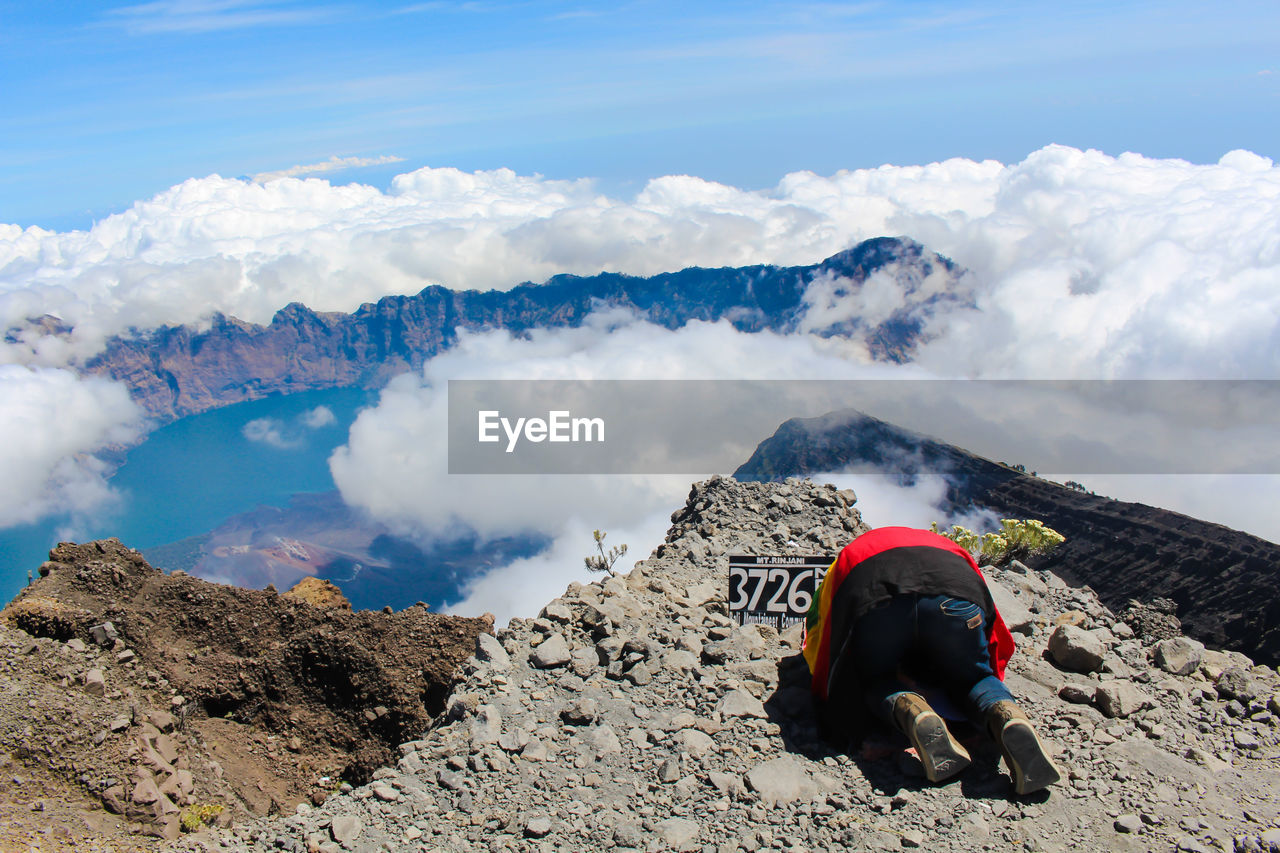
x=1016 y=539
x=195 y=817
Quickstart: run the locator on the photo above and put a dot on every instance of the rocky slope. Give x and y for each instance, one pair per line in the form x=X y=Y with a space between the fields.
x=178 y=371
x=1225 y=583
x=130 y=698
x=633 y=714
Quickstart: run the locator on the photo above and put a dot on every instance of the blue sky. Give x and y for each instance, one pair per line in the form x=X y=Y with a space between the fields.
x=103 y=104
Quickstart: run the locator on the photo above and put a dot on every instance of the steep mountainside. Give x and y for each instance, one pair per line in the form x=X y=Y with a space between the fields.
x=178 y=371
x=1225 y=583
x=634 y=715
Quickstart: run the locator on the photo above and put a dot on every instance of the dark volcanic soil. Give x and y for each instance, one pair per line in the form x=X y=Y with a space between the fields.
x=209 y=694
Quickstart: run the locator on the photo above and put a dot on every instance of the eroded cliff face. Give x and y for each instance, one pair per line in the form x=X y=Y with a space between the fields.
x=131 y=695
x=177 y=371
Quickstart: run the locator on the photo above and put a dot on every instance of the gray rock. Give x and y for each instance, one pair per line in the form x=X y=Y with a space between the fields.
x=640 y=674
x=694 y=742
x=556 y=612
x=699 y=594
x=727 y=783
x=1078 y=694
x=514 y=740
x=486 y=725
x=461 y=705
x=740 y=703
x=535 y=750
x=384 y=792
x=1015 y=614
x=538 y=827
x=583 y=712
x=1128 y=823
x=1245 y=739
x=95 y=683
x=104 y=634
x=1237 y=683
x=628 y=834
x=780 y=782
x=669 y=771
x=678 y=833
x=1120 y=699
x=551 y=653
x=603 y=740
x=584 y=661
x=449 y=780
x=345 y=828
x=1178 y=655
x=488 y=649
x=1076 y=649
x=679 y=660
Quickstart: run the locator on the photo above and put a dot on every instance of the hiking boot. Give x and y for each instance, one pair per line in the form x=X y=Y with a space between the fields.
x=1029 y=764
x=940 y=754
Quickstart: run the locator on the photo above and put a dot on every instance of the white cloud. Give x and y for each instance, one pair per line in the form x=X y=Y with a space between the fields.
x=522 y=587
x=1083 y=264
x=271 y=431
x=395 y=463
x=333 y=164
x=320 y=416
x=202 y=16
x=53 y=420
x=287 y=436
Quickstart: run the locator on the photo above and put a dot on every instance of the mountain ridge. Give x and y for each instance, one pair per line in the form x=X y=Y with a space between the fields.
x=176 y=371
x=1223 y=581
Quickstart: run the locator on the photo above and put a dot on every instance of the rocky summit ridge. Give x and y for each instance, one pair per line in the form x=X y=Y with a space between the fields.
x=633 y=714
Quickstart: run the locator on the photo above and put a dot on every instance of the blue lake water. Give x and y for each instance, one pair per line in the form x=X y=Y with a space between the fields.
x=191 y=475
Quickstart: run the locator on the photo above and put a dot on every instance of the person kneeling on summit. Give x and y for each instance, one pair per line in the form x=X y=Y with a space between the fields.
x=900 y=607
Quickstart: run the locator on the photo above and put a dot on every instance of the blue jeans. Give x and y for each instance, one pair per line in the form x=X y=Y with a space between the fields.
x=914 y=642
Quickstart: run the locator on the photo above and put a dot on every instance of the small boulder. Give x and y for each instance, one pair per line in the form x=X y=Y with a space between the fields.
x=345 y=828
x=679 y=833
x=1078 y=694
x=551 y=653
x=489 y=650
x=581 y=713
x=538 y=827
x=1076 y=649
x=1178 y=655
x=1236 y=683
x=1120 y=699
x=1015 y=614
x=780 y=782
x=95 y=683
x=740 y=703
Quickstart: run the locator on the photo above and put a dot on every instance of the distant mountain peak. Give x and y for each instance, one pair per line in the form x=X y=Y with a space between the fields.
x=177 y=371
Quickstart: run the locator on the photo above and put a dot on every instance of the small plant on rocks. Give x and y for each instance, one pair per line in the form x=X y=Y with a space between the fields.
x=196 y=817
x=603 y=562
x=1017 y=539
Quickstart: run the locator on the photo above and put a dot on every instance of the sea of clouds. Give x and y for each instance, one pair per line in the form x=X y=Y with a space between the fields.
x=1081 y=265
